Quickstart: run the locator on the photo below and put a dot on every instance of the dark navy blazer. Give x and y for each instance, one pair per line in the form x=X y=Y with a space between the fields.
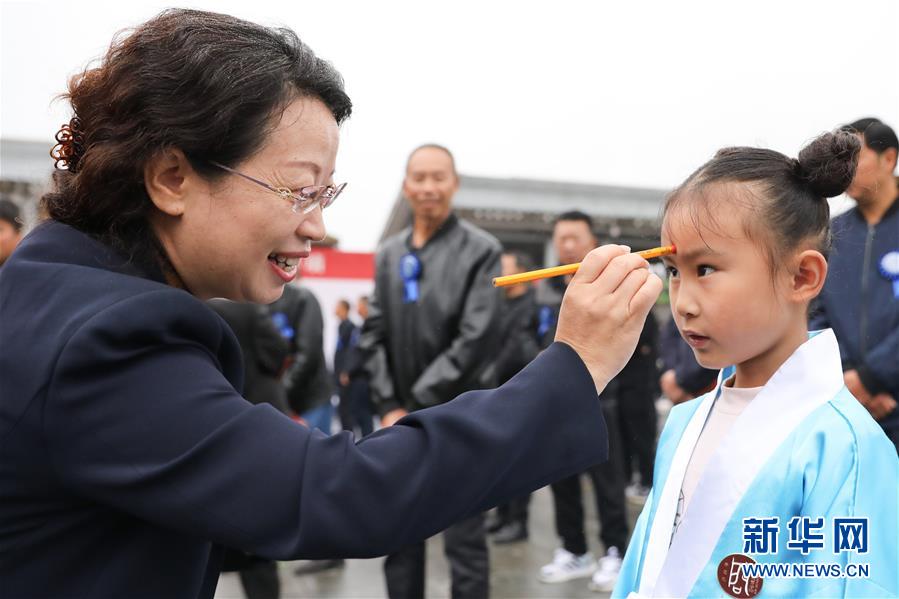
x=128 y=458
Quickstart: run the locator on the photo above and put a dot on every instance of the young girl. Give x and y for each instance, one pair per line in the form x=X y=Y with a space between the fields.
x=779 y=464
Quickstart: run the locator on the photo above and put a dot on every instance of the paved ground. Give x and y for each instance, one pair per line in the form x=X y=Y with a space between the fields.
x=513 y=567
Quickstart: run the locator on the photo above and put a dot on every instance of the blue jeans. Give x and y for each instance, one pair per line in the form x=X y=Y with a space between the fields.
x=320 y=417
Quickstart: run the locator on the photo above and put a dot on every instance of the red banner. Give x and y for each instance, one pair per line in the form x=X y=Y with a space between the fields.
x=328 y=263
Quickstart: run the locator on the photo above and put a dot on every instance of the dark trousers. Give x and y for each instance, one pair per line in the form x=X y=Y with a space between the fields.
x=515 y=511
x=637 y=420
x=355 y=407
x=260 y=581
x=465 y=546
x=608 y=485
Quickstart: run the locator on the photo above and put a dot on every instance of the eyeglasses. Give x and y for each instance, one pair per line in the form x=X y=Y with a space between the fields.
x=309 y=197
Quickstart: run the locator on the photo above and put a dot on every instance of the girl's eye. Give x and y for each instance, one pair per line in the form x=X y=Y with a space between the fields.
x=672 y=272
x=705 y=270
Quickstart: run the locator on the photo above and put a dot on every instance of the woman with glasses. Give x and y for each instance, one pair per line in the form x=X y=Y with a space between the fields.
x=197 y=164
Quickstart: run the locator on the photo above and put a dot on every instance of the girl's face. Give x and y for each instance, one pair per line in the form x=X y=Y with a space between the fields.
x=235 y=239
x=724 y=297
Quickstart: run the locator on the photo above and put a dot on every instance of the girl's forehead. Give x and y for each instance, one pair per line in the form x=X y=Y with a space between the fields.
x=693 y=224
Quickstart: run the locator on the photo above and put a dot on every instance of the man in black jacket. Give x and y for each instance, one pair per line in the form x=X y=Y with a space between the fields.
x=637 y=418
x=264 y=350
x=860 y=299
x=263 y=347
x=298 y=315
x=518 y=338
x=349 y=376
x=430 y=333
x=345 y=328
x=573 y=238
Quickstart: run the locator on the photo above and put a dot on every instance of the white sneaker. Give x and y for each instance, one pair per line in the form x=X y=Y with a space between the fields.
x=606 y=571
x=567 y=566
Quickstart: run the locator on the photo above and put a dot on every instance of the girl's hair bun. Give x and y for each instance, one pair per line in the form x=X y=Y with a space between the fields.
x=828 y=163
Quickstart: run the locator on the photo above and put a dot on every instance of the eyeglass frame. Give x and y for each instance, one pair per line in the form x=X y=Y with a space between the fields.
x=304 y=204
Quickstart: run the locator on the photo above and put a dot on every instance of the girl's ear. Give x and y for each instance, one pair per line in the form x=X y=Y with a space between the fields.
x=808 y=276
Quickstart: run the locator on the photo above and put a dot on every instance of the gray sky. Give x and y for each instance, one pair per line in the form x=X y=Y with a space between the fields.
x=635 y=93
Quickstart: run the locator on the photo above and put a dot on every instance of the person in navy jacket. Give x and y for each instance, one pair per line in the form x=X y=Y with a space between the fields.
x=860 y=299
x=197 y=165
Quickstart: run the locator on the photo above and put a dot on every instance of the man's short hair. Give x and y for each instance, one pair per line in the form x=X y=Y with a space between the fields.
x=878 y=135
x=575 y=215
x=435 y=147
x=9 y=211
x=344 y=303
x=522 y=260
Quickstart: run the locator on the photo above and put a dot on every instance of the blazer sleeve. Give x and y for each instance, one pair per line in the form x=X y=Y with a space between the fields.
x=140 y=418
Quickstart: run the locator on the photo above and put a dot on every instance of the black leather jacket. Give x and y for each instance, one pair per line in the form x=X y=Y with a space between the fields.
x=307 y=379
x=428 y=351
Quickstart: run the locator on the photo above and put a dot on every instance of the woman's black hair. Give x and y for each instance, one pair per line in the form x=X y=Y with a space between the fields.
x=208 y=84
x=789 y=195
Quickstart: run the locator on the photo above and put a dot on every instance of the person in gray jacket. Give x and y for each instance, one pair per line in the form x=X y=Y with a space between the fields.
x=431 y=330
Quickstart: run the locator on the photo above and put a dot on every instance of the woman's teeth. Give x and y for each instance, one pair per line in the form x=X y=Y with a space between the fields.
x=285 y=264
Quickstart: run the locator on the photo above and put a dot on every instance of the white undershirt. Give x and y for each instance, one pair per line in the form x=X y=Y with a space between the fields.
x=729 y=405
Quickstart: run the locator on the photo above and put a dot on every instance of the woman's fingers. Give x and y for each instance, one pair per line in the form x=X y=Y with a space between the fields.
x=618 y=269
x=632 y=282
x=596 y=262
x=645 y=297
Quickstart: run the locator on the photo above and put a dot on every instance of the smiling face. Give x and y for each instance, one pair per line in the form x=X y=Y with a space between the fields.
x=233 y=238
x=725 y=300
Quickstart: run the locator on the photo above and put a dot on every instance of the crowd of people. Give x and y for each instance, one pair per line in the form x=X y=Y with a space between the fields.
x=784 y=328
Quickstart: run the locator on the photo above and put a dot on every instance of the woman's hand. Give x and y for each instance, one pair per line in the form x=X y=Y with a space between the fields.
x=390 y=418
x=604 y=309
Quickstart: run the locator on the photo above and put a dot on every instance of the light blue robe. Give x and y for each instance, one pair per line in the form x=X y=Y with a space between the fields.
x=803 y=447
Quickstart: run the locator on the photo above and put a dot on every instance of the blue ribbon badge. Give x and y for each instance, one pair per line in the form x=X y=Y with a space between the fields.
x=283 y=325
x=889 y=269
x=410 y=271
